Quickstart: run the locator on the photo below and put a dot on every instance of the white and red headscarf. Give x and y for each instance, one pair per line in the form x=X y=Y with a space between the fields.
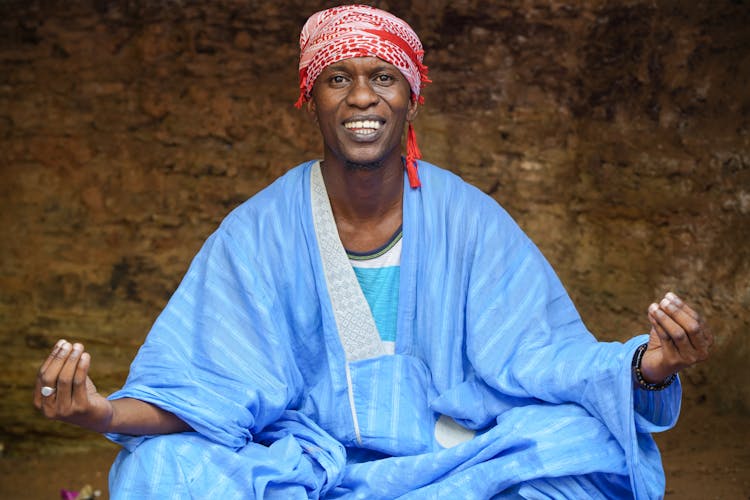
x=339 y=33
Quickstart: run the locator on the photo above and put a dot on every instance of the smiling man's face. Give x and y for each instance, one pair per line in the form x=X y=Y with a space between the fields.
x=361 y=106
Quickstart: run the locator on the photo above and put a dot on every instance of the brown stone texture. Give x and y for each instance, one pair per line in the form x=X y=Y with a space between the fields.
x=617 y=133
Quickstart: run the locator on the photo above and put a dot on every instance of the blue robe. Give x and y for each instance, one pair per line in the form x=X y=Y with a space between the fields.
x=249 y=353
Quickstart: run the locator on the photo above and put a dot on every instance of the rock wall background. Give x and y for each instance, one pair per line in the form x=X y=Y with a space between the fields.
x=616 y=132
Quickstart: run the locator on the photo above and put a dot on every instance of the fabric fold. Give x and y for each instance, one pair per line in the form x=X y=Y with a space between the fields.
x=249 y=352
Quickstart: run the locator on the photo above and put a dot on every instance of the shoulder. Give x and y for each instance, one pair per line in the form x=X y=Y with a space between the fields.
x=444 y=190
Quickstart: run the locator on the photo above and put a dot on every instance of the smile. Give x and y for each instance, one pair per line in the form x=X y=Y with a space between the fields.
x=363 y=127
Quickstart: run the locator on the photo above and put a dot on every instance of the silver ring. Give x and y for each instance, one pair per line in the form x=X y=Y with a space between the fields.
x=47 y=391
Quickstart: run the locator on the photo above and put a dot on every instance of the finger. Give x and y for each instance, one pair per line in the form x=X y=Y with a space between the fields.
x=48 y=376
x=705 y=336
x=52 y=354
x=80 y=393
x=672 y=297
x=65 y=379
x=677 y=335
x=670 y=350
x=37 y=398
x=679 y=314
x=688 y=320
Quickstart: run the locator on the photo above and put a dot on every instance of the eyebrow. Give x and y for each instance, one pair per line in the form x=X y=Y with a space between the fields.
x=342 y=67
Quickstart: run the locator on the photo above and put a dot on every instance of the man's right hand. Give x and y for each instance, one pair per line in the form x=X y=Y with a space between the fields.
x=64 y=391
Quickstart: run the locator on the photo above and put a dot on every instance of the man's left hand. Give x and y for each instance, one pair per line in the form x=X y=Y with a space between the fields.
x=679 y=338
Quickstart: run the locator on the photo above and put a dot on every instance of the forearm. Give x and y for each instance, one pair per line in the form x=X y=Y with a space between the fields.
x=137 y=418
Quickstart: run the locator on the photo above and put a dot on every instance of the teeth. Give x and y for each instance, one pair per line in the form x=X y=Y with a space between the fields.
x=364 y=126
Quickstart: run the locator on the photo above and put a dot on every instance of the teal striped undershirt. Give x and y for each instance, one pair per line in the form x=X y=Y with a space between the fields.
x=378 y=273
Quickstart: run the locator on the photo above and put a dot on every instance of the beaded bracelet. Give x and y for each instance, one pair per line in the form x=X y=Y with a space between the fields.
x=637 y=358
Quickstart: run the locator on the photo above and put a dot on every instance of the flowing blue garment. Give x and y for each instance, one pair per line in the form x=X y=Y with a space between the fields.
x=496 y=388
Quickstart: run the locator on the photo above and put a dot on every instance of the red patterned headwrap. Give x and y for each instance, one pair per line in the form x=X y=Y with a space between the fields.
x=339 y=33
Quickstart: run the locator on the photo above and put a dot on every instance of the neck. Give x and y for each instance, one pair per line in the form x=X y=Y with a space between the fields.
x=366 y=202
x=362 y=193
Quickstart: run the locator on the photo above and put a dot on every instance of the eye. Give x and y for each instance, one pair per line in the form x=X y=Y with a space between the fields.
x=384 y=78
x=338 y=79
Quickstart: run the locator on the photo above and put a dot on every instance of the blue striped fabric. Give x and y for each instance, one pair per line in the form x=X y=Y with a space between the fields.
x=248 y=354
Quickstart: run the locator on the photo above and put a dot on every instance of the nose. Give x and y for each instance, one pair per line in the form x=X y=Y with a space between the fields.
x=361 y=94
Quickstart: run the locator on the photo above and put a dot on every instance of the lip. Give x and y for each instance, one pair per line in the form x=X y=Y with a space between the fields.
x=364 y=118
x=364 y=137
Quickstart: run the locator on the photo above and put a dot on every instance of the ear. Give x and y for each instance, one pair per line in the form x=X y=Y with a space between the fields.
x=411 y=113
x=312 y=110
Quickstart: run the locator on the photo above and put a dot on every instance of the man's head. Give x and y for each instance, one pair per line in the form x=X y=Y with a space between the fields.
x=356 y=31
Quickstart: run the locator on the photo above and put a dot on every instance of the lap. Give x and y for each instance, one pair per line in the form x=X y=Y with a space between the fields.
x=510 y=455
x=187 y=465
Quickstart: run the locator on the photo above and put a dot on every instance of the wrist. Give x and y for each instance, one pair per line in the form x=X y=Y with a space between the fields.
x=645 y=379
x=110 y=420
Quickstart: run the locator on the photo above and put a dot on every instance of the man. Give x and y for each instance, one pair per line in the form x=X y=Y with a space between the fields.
x=352 y=331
